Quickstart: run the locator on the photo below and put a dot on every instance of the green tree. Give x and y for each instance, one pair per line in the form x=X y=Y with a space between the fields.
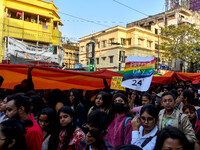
x=182 y=42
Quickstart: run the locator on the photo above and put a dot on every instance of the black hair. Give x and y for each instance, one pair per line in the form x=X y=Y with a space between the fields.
x=18 y=88
x=171 y=132
x=1 y=80
x=181 y=81
x=127 y=111
x=2 y=95
x=21 y=100
x=174 y=91
x=53 y=128
x=166 y=87
x=193 y=88
x=128 y=147
x=15 y=130
x=98 y=119
x=105 y=98
x=76 y=94
x=52 y=118
x=70 y=127
x=148 y=96
x=67 y=110
x=37 y=104
x=188 y=81
x=168 y=93
x=190 y=97
x=121 y=96
x=151 y=110
x=54 y=97
x=28 y=85
x=137 y=98
x=179 y=86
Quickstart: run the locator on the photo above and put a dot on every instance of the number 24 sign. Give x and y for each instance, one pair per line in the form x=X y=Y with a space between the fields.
x=137 y=82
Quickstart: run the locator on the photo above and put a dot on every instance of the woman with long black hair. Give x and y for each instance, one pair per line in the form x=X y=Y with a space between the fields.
x=74 y=101
x=48 y=122
x=70 y=135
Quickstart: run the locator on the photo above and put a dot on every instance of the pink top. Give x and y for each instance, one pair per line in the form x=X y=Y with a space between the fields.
x=115 y=131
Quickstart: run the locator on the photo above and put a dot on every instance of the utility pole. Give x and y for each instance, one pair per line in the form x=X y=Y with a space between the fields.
x=158 y=51
x=121 y=54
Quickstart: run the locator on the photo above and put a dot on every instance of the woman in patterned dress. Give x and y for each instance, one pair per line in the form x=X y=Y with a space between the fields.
x=70 y=135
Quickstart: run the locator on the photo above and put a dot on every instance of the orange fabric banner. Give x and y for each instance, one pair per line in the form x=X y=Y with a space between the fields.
x=51 y=78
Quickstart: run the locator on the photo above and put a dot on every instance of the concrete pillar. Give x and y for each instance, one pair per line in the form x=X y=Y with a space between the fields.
x=38 y=19
x=22 y=15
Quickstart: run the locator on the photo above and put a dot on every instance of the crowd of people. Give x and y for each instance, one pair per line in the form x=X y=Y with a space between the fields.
x=166 y=117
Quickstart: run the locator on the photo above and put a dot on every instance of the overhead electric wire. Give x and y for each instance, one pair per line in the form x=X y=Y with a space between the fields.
x=84 y=19
x=130 y=8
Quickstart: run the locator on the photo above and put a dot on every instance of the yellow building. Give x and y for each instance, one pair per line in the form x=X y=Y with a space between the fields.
x=33 y=21
x=113 y=45
x=71 y=56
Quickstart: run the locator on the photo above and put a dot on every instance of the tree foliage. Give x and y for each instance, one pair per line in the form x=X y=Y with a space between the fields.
x=181 y=42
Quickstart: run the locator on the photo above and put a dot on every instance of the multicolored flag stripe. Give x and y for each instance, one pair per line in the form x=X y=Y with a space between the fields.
x=138 y=69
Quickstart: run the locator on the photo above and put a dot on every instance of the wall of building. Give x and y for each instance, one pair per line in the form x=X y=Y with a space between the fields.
x=36 y=21
x=128 y=38
x=71 y=56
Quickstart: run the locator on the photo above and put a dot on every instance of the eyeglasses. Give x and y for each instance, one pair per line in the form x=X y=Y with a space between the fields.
x=93 y=133
x=149 y=120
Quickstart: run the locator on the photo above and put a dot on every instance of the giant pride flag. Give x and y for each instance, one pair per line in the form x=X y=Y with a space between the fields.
x=138 y=72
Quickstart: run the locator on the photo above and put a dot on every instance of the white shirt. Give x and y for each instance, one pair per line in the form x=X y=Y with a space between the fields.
x=138 y=139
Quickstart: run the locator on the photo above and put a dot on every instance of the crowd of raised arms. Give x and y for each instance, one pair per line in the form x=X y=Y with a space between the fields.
x=166 y=117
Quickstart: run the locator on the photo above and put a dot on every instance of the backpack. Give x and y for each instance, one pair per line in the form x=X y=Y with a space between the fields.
x=124 y=126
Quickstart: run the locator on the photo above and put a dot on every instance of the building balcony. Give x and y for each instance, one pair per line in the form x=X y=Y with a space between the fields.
x=21 y=29
x=56 y=37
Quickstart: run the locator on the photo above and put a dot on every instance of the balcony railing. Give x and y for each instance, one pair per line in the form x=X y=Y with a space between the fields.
x=31 y=31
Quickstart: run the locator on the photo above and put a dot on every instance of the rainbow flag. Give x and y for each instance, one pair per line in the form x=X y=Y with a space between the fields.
x=138 y=72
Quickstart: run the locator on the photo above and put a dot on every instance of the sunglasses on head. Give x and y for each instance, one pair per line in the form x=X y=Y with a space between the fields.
x=93 y=133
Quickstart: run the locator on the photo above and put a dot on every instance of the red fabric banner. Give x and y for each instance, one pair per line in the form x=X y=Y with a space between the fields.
x=51 y=78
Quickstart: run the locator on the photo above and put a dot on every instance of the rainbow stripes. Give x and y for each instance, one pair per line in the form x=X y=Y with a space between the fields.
x=139 y=69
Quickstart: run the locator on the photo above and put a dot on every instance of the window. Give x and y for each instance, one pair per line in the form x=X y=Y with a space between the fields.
x=104 y=57
x=104 y=43
x=98 y=45
x=140 y=42
x=156 y=46
x=149 y=44
x=111 y=41
x=97 y=60
x=82 y=48
x=123 y=41
x=55 y=49
x=122 y=56
x=70 y=55
x=156 y=31
x=111 y=59
x=129 y=41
